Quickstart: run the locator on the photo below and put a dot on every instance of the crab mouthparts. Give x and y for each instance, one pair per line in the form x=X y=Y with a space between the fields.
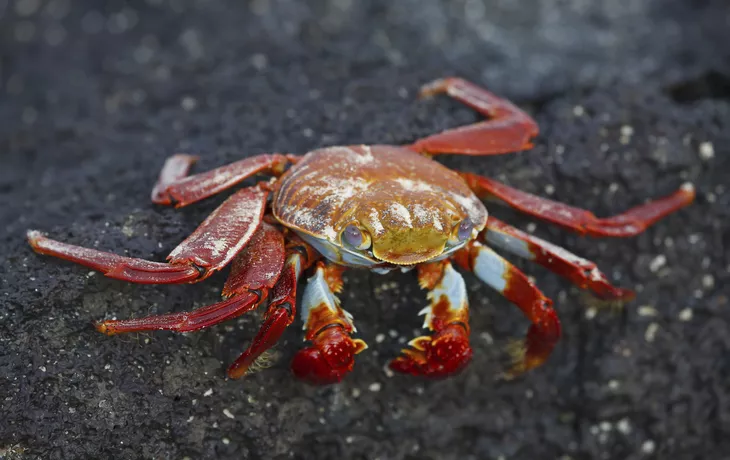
x=409 y=248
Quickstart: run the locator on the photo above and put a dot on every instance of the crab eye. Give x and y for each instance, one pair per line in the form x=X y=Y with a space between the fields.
x=463 y=232
x=354 y=237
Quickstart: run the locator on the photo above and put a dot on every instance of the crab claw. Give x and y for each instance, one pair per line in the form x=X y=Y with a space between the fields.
x=329 y=359
x=445 y=353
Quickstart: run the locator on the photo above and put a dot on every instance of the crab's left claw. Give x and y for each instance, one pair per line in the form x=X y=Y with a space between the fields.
x=445 y=353
x=329 y=359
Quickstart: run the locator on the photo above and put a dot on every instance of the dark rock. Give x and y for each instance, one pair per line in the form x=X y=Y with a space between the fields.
x=96 y=94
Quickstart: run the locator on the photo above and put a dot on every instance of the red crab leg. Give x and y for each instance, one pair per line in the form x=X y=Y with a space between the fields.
x=446 y=351
x=332 y=353
x=209 y=248
x=253 y=272
x=498 y=273
x=581 y=272
x=282 y=307
x=508 y=129
x=174 y=188
x=629 y=223
x=175 y=168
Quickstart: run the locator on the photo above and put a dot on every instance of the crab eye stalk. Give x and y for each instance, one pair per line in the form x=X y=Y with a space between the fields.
x=463 y=231
x=355 y=238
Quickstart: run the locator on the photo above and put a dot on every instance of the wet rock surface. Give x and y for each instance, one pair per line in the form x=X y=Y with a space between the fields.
x=632 y=101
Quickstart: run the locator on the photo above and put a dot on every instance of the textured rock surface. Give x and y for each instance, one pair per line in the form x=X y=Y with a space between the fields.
x=632 y=101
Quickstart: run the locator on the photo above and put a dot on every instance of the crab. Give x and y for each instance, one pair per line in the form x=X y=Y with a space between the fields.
x=375 y=207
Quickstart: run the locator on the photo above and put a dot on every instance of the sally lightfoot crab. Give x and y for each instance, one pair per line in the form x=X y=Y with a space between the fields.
x=378 y=207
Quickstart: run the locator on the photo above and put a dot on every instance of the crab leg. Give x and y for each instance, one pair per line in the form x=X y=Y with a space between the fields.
x=332 y=353
x=253 y=272
x=629 y=223
x=208 y=249
x=498 y=273
x=176 y=167
x=581 y=272
x=446 y=351
x=509 y=129
x=173 y=187
x=282 y=307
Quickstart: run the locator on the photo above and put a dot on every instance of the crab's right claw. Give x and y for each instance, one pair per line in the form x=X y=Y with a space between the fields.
x=329 y=359
x=445 y=353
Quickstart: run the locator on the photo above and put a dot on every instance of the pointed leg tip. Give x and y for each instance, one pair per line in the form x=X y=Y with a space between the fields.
x=263 y=361
x=33 y=237
x=191 y=159
x=613 y=299
x=433 y=88
x=688 y=187
x=103 y=327
x=235 y=372
x=689 y=192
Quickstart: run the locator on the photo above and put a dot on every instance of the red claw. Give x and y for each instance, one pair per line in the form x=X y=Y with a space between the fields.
x=445 y=353
x=329 y=359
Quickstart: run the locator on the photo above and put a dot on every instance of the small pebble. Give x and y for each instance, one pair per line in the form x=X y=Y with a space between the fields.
x=228 y=414
x=647 y=310
x=707 y=150
x=657 y=263
x=374 y=387
x=685 y=315
x=226 y=441
x=648 y=447
x=651 y=331
x=208 y=392
x=624 y=426
x=188 y=103
x=708 y=281
x=259 y=61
